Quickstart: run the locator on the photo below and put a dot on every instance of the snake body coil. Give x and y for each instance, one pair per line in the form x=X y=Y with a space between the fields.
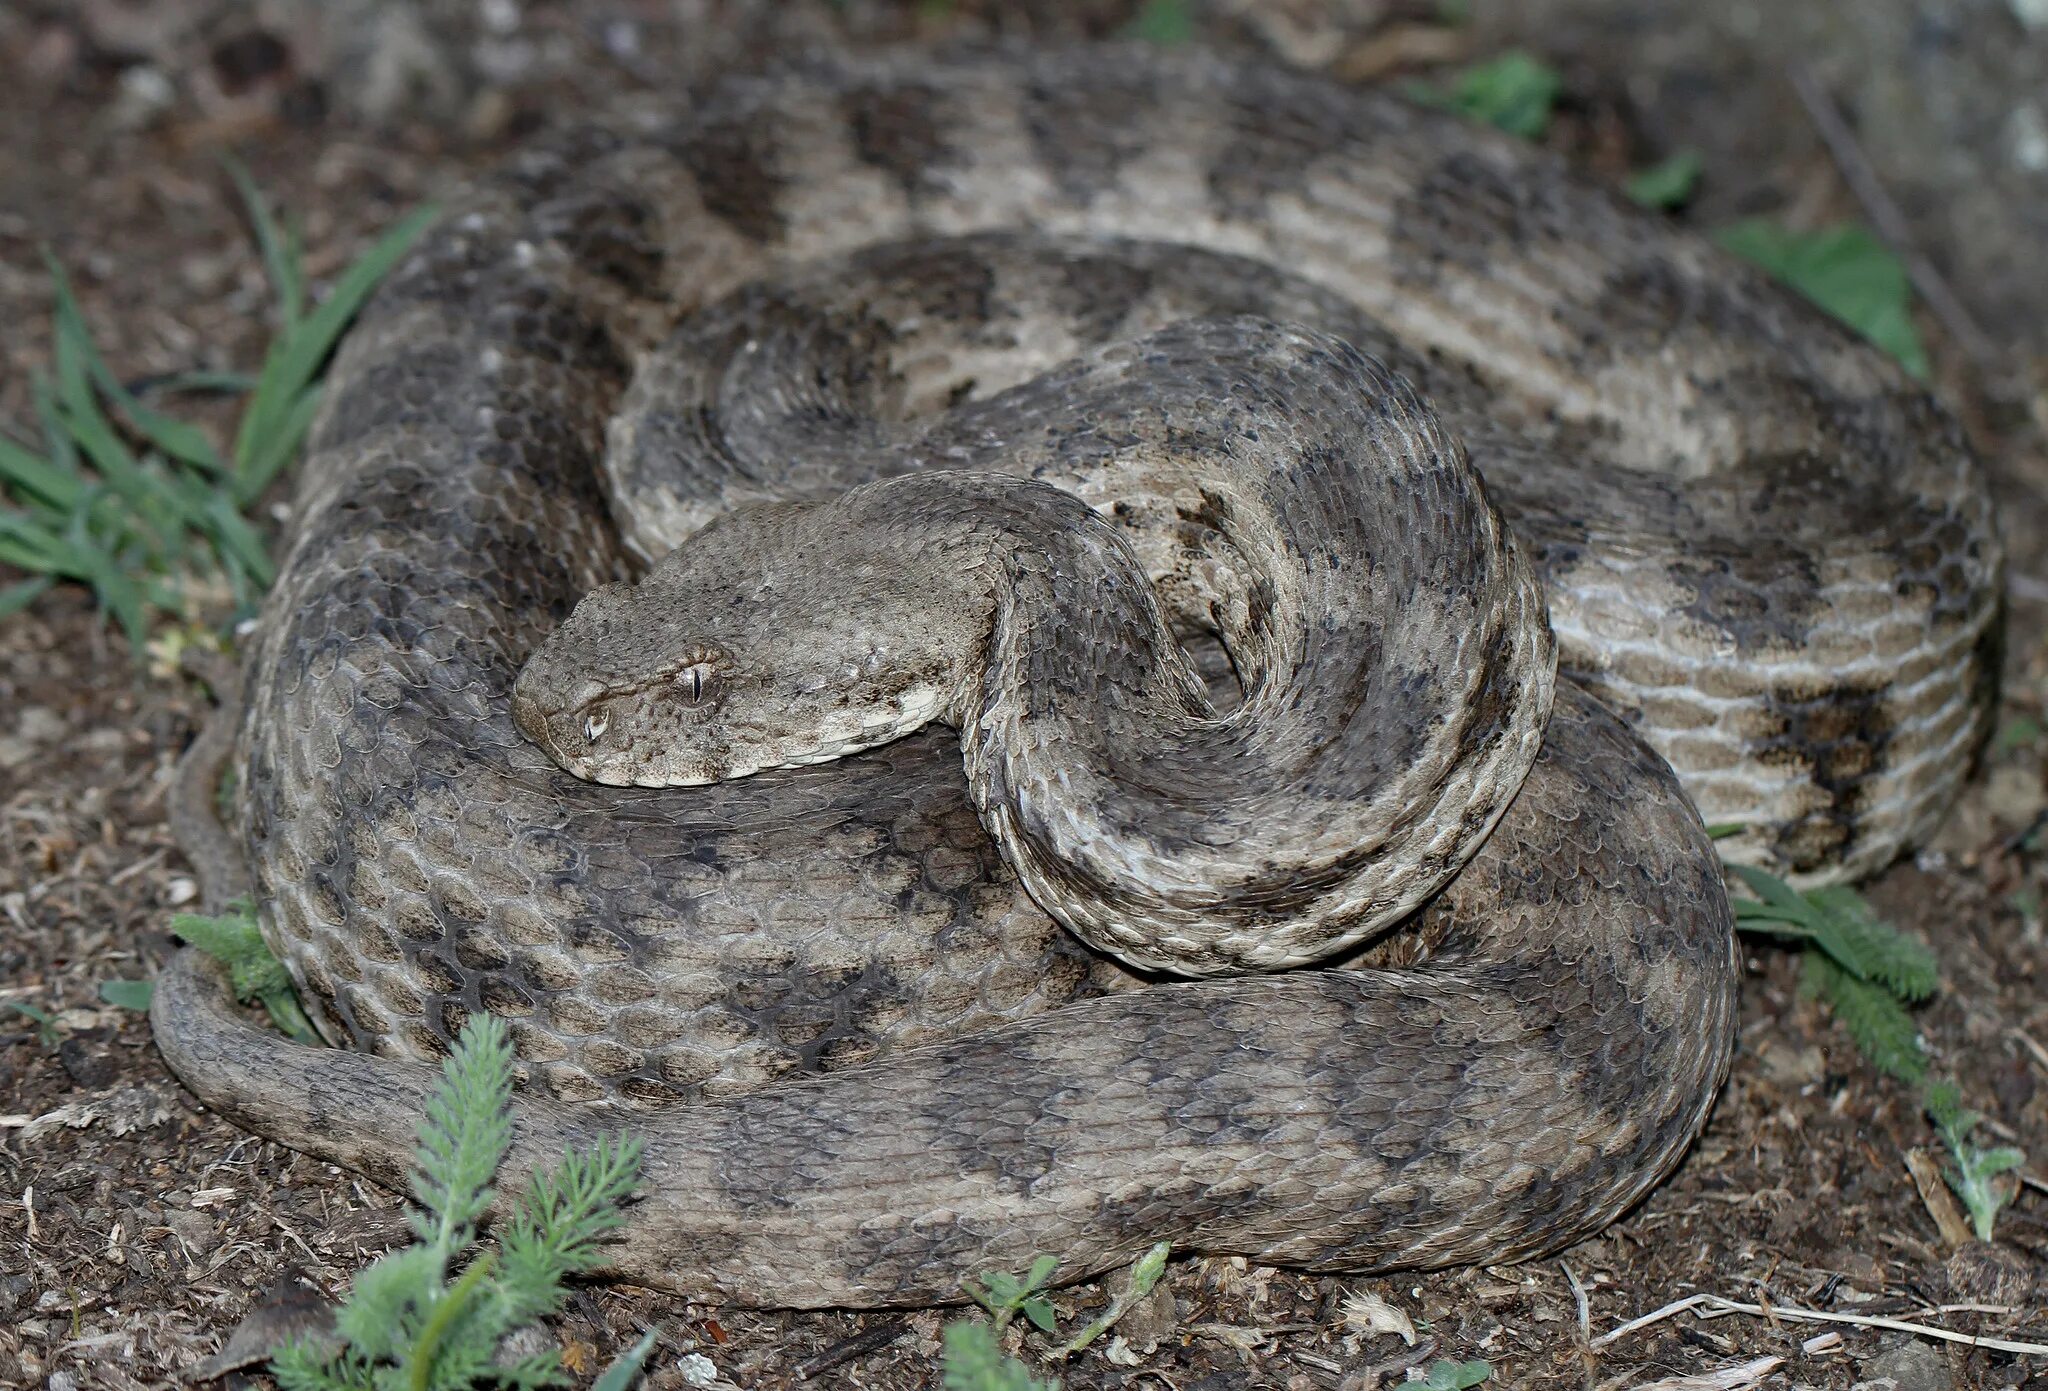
x=1192 y=295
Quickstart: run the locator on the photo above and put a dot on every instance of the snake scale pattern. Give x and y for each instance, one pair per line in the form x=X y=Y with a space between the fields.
x=900 y=355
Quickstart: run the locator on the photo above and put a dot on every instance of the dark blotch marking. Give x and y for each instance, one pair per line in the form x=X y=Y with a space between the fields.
x=733 y=161
x=899 y=131
x=1761 y=599
x=1086 y=131
x=1467 y=209
x=1838 y=734
x=611 y=232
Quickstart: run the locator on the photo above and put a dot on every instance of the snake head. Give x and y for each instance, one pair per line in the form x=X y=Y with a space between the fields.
x=775 y=636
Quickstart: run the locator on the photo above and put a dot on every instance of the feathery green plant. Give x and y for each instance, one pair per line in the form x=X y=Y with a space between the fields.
x=136 y=503
x=407 y=1325
x=1975 y=1172
x=1864 y=969
x=973 y=1362
x=234 y=940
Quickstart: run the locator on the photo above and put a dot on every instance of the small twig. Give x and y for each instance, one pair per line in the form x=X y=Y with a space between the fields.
x=859 y=1345
x=1585 y=1306
x=2031 y=1044
x=1715 y=1307
x=1417 y=1356
x=1862 y=178
x=1940 y=1203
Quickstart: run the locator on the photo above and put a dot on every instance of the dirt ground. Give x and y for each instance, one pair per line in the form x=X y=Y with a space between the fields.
x=137 y=1230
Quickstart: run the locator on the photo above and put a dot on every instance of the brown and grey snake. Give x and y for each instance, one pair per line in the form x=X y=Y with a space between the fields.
x=964 y=390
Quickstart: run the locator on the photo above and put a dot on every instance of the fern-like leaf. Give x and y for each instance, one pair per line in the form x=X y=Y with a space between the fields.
x=1872 y=1015
x=464 y=1137
x=555 y=1229
x=973 y=1362
x=297 y=1366
x=1887 y=956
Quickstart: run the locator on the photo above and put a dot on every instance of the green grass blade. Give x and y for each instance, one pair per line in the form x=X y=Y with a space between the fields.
x=57 y=442
x=280 y=251
x=41 y=479
x=175 y=438
x=78 y=414
x=117 y=593
x=626 y=1369
x=148 y=499
x=198 y=382
x=294 y=362
x=234 y=541
x=28 y=545
x=279 y=446
x=19 y=595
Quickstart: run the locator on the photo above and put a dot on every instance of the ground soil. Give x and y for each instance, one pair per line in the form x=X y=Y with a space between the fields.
x=137 y=1230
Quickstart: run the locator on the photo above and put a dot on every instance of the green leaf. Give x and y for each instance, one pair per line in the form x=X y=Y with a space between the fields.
x=1514 y=92
x=46 y=1027
x=1870 y=1014
x=1846 y=271
x=1668 y=183
x=1164 y=22
x=2018 y=733
x=296 y=357
x=464 y=1135
x=626 y=1368
x=1447 y=1374
x=276 y=448
x=128 y=994
x=280 y=249
x=1039 y=1310
x=43 y=480
x=973 y=1362
x=1881 y=952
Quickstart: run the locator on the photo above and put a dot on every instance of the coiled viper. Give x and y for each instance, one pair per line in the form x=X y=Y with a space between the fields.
x=1168 y=283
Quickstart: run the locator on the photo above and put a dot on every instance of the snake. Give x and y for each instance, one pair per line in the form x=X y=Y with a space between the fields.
x=1016 y=653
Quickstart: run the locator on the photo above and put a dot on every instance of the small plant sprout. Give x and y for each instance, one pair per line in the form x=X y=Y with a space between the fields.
x=1006 y=1296
x=1447 y=1374
x=234 y=940
x=1976 y=1173
x=975 y=1362
x=409 y=1325
x=1514 y=92
x=46 y=1027
x=1668 y=183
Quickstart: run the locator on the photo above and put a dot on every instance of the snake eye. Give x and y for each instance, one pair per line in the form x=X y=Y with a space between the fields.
x=696 y=683
x=595 y=723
